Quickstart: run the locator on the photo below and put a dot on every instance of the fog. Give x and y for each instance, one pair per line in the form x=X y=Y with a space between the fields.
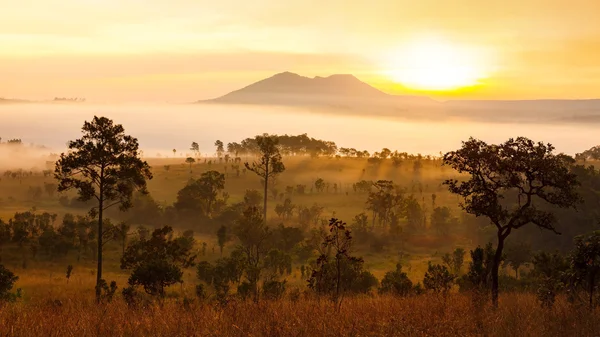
x=161 y=128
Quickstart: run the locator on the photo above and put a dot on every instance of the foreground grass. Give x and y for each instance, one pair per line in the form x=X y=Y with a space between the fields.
x=427 y=315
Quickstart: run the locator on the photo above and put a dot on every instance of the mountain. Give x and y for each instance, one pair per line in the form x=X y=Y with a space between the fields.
x=341 y=90
x=348 y=94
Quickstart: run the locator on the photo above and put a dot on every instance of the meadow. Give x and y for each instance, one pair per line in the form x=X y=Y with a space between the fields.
x=52 y=304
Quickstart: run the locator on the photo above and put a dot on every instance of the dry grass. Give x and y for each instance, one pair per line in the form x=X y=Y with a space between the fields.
x=518 y=315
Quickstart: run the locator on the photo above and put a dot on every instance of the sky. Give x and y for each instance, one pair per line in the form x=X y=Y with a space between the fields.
x=185 y=50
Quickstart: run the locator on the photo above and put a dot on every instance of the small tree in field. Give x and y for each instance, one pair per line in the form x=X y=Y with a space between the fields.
x=103 y=165
x=396 y=282
x=156 y=262
x=190 y=161
x=268 y=166
x=337 y=272
x=195 y=148
x=510 y=184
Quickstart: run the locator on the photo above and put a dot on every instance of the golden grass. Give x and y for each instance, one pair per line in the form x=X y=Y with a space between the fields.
x=51 y=307
x=427 y=315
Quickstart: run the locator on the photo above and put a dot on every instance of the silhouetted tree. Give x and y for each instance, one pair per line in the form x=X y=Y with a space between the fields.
x=337 y=272
x=269 y=165
x=200 y=196
x=255 y=242
x=509 y=184
x=438 y=278
x=586 y=262
x=222 y=237
x=190 y=161
x=103 y=165
x=396 y=282
x=156 y=262
x=518 y=254
x=220 y=149
x=195 y=148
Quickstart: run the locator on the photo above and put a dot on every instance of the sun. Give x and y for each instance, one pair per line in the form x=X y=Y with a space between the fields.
x=436 y=65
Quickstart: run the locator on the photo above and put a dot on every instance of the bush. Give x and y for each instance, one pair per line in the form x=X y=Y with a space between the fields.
x=396 y=282
x=438 y=278
x=7 y=282
x=274 y=289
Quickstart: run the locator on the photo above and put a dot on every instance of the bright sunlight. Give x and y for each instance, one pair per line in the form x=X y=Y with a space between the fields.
x=435 y=64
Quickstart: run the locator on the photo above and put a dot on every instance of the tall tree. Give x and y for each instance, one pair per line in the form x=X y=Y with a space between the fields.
x=220 y=148
x=195 y=148
x=103 y=165
x=512 y=184
x=269 y=165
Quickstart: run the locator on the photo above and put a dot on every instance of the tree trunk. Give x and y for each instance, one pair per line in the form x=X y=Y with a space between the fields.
x=99 y=268
x=266 y=185
x=100 y=209
x=495 y=267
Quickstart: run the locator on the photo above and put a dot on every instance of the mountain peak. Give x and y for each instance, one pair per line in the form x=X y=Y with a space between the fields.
x=289 y=83
x=288 y=88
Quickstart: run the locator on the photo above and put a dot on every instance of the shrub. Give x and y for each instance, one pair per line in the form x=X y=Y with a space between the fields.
x=396 y=282
x=7 y=282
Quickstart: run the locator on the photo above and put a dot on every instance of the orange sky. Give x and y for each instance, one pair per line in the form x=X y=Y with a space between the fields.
x=183 y=50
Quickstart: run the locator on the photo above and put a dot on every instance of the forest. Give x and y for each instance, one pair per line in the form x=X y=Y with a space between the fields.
x=290 y=235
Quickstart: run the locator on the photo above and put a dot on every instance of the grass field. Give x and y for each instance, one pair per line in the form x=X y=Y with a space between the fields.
x=51 y=306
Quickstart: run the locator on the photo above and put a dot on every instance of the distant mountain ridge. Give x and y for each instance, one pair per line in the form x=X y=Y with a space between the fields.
x=289 y=88
x=348 y=94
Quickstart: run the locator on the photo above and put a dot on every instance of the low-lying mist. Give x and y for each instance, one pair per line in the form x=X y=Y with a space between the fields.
x=162 y=128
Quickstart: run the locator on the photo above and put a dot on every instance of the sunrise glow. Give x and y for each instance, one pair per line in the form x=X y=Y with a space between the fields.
x=435 y=64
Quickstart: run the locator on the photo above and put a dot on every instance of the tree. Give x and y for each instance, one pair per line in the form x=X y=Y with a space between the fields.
x=254 y=237
x=285 y=210
x=270 y=164
x=195 y=148
x=320 y=185
x=252 y=198
x=585 y=261
x=200 y=196
x=50 y=189
x=518 y=254
x=396 y=282
x=455 y=260
x=442 y=220
x=222 y=237
x=510 y=184
x=552 y=273
x=7 y=282
x=156 y=262
x=220 y=149
x=190 y=161
x=384 y=201
x=104 y=165
x=337 y=272
x=438 y=278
